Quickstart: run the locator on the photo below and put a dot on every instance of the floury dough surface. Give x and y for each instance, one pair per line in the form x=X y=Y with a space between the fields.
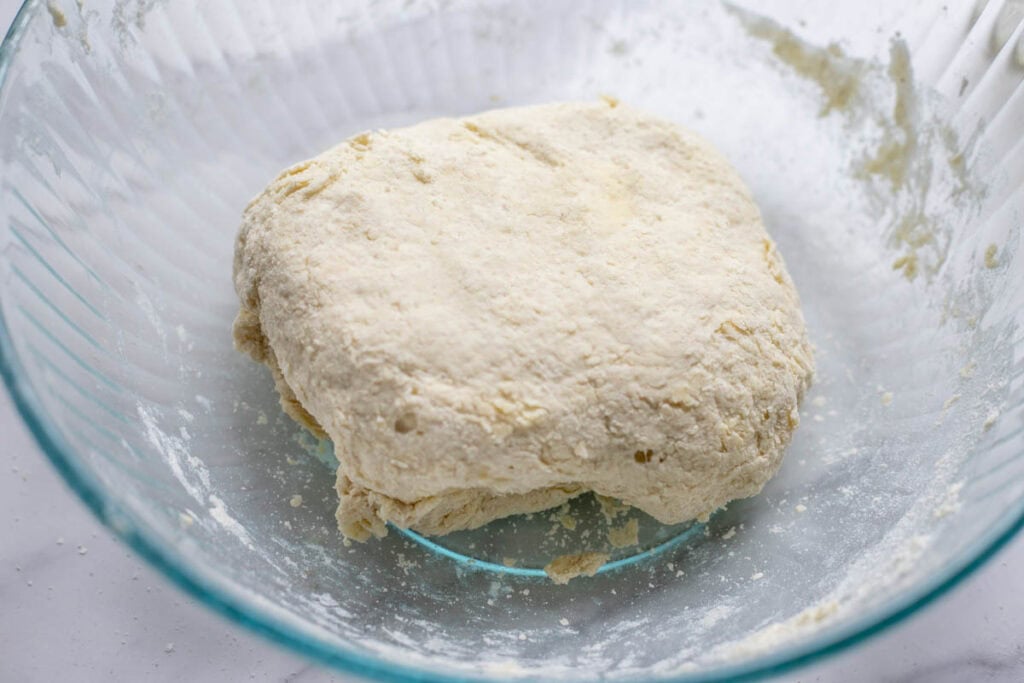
x=494 y=314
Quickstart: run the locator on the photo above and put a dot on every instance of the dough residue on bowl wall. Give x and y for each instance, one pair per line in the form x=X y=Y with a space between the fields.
x=564 y=568
x=915 y=163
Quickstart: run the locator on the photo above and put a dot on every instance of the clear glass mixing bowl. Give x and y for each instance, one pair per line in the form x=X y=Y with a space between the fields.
x=883 y=142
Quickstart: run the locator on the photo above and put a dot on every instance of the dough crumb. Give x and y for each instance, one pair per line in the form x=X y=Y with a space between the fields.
x=886 y=398
x=992 y=256
x=626 y=535
x=611 y=507
x=295 y=501
x=907 y=264
x=564 y=568
x=59 y=20
x=950 y=503
x=801 y=508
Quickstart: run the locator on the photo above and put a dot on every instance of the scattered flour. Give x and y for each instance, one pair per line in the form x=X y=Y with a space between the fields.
x=219 y=512
x=951 y=502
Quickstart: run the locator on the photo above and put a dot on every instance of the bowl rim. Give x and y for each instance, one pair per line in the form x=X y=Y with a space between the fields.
x=205 y=587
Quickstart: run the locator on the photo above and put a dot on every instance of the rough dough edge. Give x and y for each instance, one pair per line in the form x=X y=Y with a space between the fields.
x=249 y=338
x=363 y=513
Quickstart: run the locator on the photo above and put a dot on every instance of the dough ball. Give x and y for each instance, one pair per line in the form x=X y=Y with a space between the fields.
x=491 y=315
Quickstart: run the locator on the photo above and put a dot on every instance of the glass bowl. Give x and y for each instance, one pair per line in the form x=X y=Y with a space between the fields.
x=883 y=142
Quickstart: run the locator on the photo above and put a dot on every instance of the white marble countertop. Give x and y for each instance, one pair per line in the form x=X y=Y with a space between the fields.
x=76 y=604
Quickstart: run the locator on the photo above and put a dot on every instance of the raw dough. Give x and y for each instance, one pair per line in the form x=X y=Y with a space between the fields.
x=626 y=535
x=564 y=568
x=494 y=314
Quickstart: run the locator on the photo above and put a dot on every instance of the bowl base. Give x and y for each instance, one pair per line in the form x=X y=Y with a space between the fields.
x=524 y=544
